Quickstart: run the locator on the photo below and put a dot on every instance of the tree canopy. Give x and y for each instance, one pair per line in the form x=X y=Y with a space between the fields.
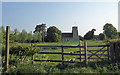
x=41 y=29
x=89 y=35
x=110 y=31
x=53 y=34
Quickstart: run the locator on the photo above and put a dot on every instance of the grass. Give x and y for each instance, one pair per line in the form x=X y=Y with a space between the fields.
x=50 y=67
x=58 y=56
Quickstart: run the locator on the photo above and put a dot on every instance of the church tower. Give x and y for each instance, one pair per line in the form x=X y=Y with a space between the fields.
x=75 y=33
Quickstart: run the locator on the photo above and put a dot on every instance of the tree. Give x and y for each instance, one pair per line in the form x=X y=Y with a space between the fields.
x=102 y=36
x=3 y=32
x=23 y=36
x=89 y=35
x=15 y=35
x=41 y=29
x=110 y=31
x=53 y=34
x=30 y=37
x=35 y=37
x=39 y=37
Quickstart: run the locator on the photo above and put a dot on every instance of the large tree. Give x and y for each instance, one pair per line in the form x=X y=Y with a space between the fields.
x=89 y=35
x=53 y=34
x=110 y=31
x=41 y=29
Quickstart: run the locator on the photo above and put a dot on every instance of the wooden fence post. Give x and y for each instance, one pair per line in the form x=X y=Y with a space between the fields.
x=85 y=46
x=80 y=44
x=32 y=54
x=108 y=49
x=62 y=56
x=7 y=49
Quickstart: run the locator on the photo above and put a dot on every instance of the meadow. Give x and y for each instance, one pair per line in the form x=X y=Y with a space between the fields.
x=23 y=64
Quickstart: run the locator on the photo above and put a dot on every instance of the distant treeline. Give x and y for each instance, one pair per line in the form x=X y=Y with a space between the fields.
x=40 y=34
x=53 y=34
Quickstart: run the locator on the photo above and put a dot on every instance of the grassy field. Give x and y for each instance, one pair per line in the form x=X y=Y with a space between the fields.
x=16 y=66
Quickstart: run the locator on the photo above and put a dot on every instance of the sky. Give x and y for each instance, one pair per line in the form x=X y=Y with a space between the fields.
x=63 y=15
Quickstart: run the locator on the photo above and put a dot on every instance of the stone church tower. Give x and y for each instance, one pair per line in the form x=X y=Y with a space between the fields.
x=75 y=33
x=71 y=36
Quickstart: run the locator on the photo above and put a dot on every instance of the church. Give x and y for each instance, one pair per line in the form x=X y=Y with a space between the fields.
x=71 y=36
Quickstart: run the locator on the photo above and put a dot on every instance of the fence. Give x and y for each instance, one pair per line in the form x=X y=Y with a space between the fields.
x=85 y=54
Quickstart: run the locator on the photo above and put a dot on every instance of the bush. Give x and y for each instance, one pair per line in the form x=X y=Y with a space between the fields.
x=102 y=36
x=23 y=50
x=27 y=68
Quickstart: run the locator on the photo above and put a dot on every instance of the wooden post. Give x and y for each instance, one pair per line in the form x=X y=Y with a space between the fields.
x=32 y=54
x=80 y=44
x=7 y=49
x=85 y=46
x=108 y=51
x=62 y=56
x=112 y=51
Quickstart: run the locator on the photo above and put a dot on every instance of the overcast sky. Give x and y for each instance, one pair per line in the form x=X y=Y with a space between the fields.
x=63 y=15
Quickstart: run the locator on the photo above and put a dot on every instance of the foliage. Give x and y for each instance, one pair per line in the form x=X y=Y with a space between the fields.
x=23 y=36
x=81 y=38
x=30 y=37
x=89 y=35
x=49 y=68
x=27 y=68
x=16 y=36
x=102 y=36
x=35 y=37
x=41 y=29
x=98 y=67
x=53 y=34
x=22 y=50
x=110 y=31
x=39 y=38
x=3 y=33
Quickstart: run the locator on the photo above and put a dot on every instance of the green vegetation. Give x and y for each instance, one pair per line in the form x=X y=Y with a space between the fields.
x=41 y=29
x=53 y=34
x=102 y=36
x=89 y=35
x=21 y=51
x=22 y=63
x=110 y=31
x=99 y=67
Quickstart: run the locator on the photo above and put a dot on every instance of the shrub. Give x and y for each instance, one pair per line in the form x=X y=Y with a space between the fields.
x=102 y=36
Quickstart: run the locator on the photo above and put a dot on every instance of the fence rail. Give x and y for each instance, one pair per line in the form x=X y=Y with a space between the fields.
x=79 y=53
